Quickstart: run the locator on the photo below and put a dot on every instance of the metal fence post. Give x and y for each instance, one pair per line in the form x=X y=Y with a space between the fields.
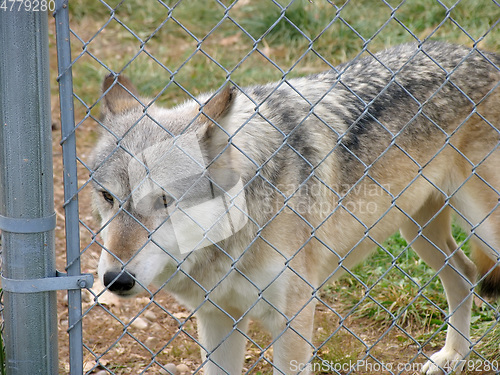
x=27 y=215
x=68 y=143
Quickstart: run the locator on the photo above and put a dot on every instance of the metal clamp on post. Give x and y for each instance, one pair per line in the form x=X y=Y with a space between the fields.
x=35 y=225
x=60 y=282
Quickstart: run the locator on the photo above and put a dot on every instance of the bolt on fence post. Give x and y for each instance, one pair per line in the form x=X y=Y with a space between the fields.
x=26 y=191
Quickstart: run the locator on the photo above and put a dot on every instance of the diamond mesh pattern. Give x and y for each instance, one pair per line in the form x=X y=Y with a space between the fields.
x=240 y=43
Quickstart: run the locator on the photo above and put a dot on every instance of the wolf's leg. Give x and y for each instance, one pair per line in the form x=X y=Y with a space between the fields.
x=293 y=346
x=439 y=250
x=223 y=342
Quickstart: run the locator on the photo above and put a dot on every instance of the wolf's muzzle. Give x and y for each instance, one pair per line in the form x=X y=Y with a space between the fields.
x=119 y=282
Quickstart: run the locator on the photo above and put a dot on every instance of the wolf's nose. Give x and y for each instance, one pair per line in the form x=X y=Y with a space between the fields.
x=119 y=281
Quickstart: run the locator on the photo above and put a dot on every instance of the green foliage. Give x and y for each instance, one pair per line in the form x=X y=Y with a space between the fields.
x=389 y=284
x=410 y=294
x=198 y=44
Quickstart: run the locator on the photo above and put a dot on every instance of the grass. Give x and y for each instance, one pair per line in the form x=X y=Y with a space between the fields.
x=195 y=46
x=383 y=298
x=201 y=43
x=390 y=294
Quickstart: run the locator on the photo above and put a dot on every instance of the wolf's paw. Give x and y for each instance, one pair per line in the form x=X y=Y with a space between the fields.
x=446 y=359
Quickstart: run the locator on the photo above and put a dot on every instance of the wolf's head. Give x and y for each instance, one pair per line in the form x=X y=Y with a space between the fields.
x=164 y=184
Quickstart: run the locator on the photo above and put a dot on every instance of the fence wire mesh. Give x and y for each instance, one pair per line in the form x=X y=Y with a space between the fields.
x=256 y=279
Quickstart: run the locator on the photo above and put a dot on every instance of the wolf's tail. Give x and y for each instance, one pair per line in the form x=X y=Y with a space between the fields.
x=488 y=269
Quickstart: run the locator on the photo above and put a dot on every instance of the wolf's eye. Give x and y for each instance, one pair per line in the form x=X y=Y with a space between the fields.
x=163 y=202
x=107 y=197
x=166 y=200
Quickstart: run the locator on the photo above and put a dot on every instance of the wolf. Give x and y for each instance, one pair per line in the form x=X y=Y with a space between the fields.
x=244 y=202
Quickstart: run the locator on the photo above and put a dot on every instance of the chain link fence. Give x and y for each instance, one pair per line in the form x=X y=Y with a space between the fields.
x=388 y=315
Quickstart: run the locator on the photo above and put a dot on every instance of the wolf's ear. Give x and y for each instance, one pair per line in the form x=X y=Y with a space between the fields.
x=216 y=107
x=211 y=137
x=121 y=97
